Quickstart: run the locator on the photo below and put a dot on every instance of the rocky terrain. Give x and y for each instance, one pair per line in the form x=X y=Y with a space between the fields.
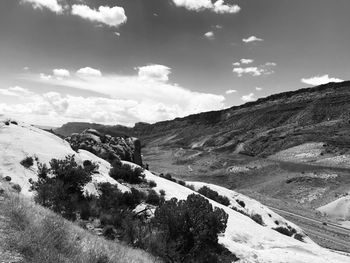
x=288 y=150
x=106 y=146
x=251 y=227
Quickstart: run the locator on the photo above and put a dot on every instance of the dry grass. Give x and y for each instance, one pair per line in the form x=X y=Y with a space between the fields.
x=44 y=237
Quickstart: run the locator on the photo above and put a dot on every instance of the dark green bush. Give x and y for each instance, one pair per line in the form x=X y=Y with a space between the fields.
x=153 y=198
x=257 y=218
x=213 y=195
x=299 y=237
x=17 y=188
x=188 y=230
x=8 y=178
x=152 y=183
x=127 y=173
x=241 y=203
x=27 y=162
x=61 y=187
x=283 y=230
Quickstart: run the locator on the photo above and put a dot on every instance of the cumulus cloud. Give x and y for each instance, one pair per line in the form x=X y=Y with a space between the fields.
x=15 y=91
x=89 y=72
x=154 y=72
x=247 y=61
x=111 y=16
x=258 y=88
x=218 y=6
x=146 y=96
x=254 y=71
x=249 y=97
x=210 y=35
x=265 y=69
x=252 y=39
x=61 y=73
x=319 y=80
x=52 y=5
x=43 y=76
x=230 y=91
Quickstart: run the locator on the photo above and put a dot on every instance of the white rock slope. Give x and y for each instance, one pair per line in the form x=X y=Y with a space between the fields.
x=251 y=242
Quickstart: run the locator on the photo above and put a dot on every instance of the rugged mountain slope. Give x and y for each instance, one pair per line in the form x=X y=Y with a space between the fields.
x=250 y=241
x=307 y=127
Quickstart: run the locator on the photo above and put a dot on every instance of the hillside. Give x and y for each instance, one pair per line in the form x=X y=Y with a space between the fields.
x=288 y=150
x=249 y=240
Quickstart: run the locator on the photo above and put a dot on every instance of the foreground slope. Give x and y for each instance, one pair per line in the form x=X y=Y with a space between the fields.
x=250 y=241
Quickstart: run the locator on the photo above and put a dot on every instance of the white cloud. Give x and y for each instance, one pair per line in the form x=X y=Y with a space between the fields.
x=52 y=5
x=218 y=6
x=218 y=26
x=26 y=68
x=258 y=88
x=45 y=77
x=147 y=96
x=117 y=34
x=89 y=72
x=61 y=73
x=265 y=69
x=236 y=64
x=319 y=80
x=210 y=35
x=247 y=61
x=230 y=91
x=249 y=97
x=254 y=71
x=154 y=72
x=251 y=39
x=15 y=91
x=111 y=16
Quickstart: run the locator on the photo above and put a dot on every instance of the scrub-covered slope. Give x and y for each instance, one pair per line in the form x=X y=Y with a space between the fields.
x=19 y=141
x=247 y=239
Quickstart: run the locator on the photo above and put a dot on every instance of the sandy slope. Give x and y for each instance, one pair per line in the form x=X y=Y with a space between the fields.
x=250 y=241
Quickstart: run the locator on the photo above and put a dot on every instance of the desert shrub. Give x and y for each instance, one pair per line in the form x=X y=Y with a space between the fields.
x=153 y=198
x=283 y=230
x=127 y=173
x=61 y=187
x=241 y=203
x=8 y=178
x=180 y=182
x=257 y=218
x=299 y=237
x=188 y=229
x=27 y=162
x=276 y=222
x=190 y=186
x=17 y=188
x=162 y=192
x=213 y=195
x=152 y=183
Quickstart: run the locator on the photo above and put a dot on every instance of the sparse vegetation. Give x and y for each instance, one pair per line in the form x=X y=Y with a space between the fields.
x=27 y=162
x=8 y=178
x=41 y=236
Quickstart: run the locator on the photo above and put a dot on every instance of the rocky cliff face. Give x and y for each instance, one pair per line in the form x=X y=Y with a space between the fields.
x=106 y=146
x=260 y=128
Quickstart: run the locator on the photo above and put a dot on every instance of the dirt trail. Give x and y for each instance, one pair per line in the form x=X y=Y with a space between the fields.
x=6 y=256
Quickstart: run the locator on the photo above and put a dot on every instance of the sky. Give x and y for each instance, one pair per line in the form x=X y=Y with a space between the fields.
x=129 y=61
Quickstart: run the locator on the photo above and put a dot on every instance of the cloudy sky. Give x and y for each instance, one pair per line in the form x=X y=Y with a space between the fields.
x=125 y=61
